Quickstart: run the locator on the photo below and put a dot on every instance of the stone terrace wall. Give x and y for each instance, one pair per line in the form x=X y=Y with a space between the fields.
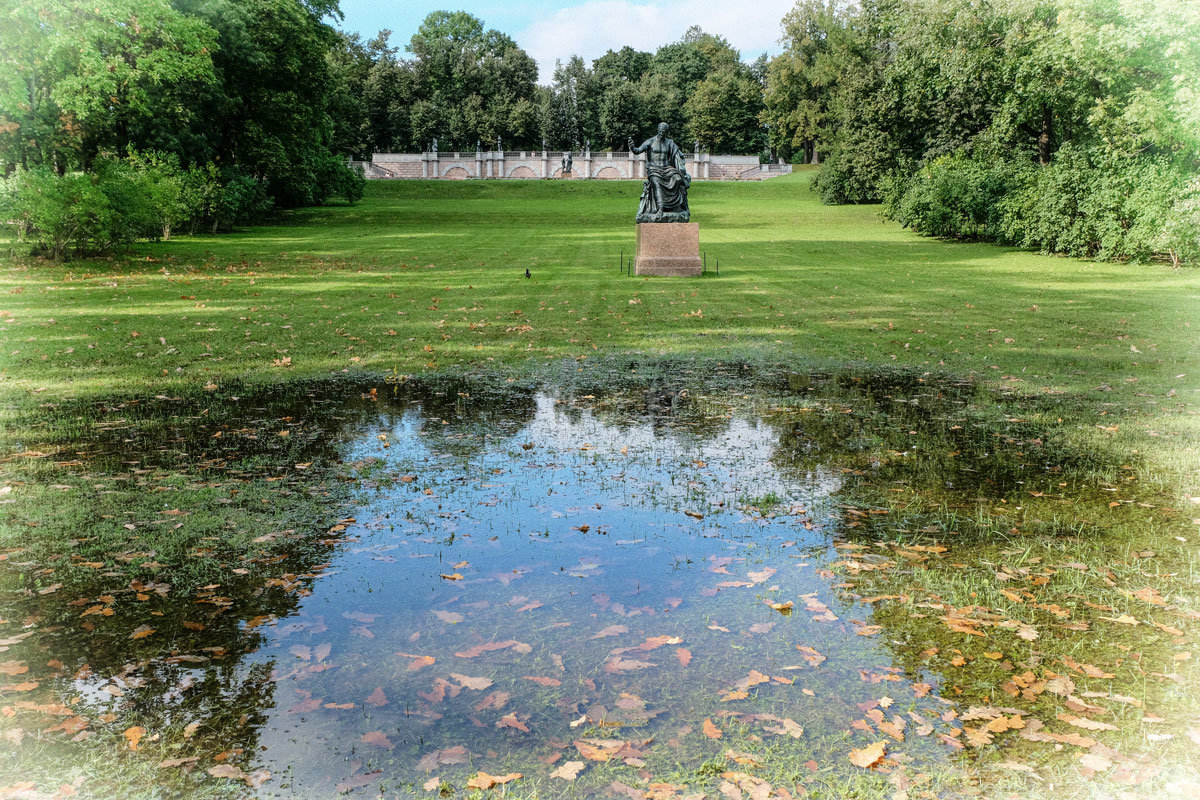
x=535 y=164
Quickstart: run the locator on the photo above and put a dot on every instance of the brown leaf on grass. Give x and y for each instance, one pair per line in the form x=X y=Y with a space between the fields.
x=611 y=630
x=1087 y=669
x=484 y=781
x=487 y=647
x=377 y=738
x=447 y=756
x=449 y=617
x=134 y=736
x=13 y=668
x=227 y=771
x=432 y=785
x=782 y=608
x=377 y=697
x=568 y=771
x=141 y=632
x=457 y=576
x=1095 y=761
x=711 y=730
x=540 y=681
x=510 y=721
x=1085 y=723
x=167 y=763
x=869 y=756
x=684 y=655
x=810 y=655
x=26 y=686
x=474 y=684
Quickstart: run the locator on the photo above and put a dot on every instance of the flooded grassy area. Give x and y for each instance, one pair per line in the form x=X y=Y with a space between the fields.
x=750 y=583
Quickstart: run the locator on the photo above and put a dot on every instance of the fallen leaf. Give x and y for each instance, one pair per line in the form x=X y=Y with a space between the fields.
x=485 y=781
x=540 y=681
x=711 y=730
x=684 y=655
x=611 y=630
x=448 y=756
x=226 y=771
x=141 y=632
x=377 y=697
x=377 y=738
x=134 y=735
x=475 y=684
x=569 y=770
x=869 y=756
x=487 y=647
x=510 y=721
x=449 y=617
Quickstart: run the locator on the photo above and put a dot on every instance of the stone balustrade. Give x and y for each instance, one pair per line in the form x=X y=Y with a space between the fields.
x=545 y=164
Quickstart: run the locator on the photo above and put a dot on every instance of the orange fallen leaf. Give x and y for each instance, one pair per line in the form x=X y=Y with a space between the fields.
x=510 y=721
x=540 y=681
x=487 y=647
x=684 y=655
x=485 y=781
x=711 y=730
x=141 y=632
x=867 y=757
x=377 y=697
x=27 y=686
x=134 y=736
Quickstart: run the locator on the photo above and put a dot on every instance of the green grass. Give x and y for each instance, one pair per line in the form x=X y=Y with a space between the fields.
x=440 y=265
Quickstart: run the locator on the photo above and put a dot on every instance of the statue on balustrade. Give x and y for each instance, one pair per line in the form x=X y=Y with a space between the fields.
x=664 y=193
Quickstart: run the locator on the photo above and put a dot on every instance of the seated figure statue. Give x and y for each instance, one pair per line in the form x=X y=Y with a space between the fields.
x=664 y=194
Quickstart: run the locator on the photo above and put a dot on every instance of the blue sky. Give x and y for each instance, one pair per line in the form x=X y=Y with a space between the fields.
x=560 y=28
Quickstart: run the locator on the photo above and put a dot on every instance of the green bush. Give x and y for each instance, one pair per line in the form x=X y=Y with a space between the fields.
x=242 y=198
x=955 y=196
x=54 y=212
x=1092 y=203
x=1088 y=202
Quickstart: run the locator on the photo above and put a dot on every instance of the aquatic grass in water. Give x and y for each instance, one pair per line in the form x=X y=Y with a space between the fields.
x=860 y=585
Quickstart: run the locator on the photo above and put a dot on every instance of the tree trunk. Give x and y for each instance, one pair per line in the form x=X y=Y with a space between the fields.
x=1046 y=137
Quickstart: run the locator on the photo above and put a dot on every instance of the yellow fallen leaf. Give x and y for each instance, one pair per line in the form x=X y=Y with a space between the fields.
x=869 y=756
x=134 y=735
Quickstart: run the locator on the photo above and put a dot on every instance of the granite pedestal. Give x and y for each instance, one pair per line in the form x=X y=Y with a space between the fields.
x=670 y=249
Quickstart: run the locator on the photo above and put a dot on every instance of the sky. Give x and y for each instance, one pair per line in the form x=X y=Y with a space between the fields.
x=560 y=28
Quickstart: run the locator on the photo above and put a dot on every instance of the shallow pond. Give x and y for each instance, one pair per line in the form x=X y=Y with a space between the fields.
x=558 y=594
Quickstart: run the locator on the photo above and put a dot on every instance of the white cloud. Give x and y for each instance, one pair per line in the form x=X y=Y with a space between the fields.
x=595 y=26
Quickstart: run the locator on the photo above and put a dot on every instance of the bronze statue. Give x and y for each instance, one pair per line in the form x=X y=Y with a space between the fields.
x=664 y=194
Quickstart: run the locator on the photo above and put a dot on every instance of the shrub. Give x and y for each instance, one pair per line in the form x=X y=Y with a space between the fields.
x=1092 y=203
x=54 y=211
x=955 y=196
x=242 y=198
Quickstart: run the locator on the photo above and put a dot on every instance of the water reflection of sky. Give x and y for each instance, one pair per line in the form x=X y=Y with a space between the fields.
x=563 y=539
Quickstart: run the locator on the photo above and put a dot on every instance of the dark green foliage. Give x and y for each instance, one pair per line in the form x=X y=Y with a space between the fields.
x=957 y=197
x=1063 y=125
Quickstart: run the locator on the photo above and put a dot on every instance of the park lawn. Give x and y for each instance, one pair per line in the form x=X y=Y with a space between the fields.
x=428 y=275
x=427 y=279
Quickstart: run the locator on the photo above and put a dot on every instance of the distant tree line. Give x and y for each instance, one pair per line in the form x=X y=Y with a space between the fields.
x=464 y=85
x=1069 y=126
